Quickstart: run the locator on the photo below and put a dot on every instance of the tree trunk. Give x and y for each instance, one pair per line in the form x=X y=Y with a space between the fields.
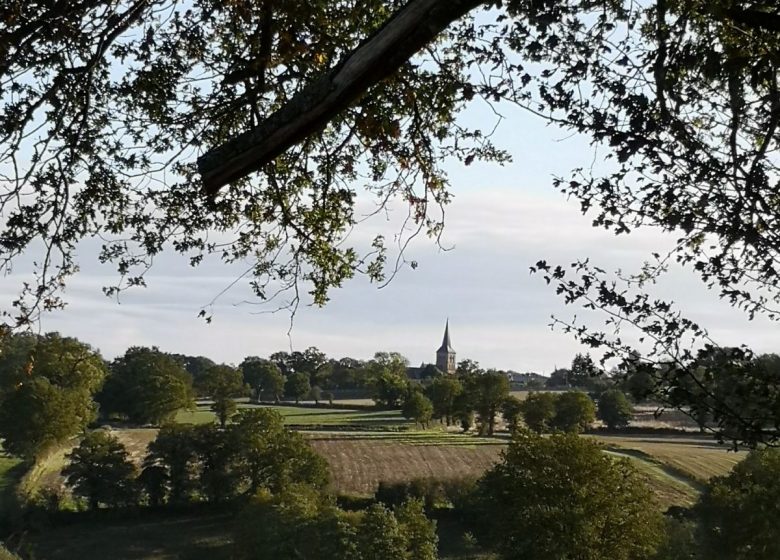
x=380 y=55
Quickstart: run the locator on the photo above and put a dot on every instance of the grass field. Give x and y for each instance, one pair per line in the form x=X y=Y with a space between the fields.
x=304 y=416
x=696 y=459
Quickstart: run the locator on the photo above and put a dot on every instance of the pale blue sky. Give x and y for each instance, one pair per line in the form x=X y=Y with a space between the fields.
x=502 y=220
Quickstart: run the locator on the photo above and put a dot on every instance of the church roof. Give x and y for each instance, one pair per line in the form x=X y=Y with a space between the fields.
x=446 y=346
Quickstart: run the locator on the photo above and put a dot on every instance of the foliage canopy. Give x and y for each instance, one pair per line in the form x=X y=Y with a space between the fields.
x=104 y=108
x=562 y=497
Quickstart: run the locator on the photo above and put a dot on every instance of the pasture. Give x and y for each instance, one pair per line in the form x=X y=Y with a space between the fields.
x=697 y=459
x=309 y=417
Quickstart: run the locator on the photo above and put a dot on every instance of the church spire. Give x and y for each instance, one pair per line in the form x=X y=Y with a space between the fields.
x=446 y=346
x=445 y=356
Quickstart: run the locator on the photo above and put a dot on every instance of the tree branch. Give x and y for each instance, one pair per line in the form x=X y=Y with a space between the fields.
x=410 y=29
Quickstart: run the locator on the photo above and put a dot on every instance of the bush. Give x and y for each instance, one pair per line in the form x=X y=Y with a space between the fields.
x=574 y=412
x=101 y=472
x=739 y=513
x=562 y=497
x=679 y=542
x=614 y=409
x=538 y=410
x=301 y=522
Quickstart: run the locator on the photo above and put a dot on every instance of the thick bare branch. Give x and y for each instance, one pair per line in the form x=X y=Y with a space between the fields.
x=379 y=56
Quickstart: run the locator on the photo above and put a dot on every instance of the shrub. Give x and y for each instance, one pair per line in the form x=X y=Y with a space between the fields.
x=562 y=497
x=614 y=409
x=101 y=472
x=574 y=412
x=739 y=513
x=538 y=410
x=301 y=522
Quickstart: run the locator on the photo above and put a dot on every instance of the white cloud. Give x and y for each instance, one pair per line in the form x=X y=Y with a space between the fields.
x=502 y=220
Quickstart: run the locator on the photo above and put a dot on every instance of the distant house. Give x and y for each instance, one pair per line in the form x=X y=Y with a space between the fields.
x=520 y=380
x=445 y=360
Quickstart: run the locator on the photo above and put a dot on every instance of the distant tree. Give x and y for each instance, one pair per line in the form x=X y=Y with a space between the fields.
x=46 y=389
x=467 y=368
x=738 y=512
x=346 y=373
x=100 y=471
x=308 y=362
x=488 y=391
x=640 y=382
x=574 y=412
x=315 y=394
x=297 y=385
x=387 y=378
x=154 y=483
x=264 y=377
x=313 y=362
x=442 y=392
x=284 y=361
x=389 y=387
x=172 y=457
x=146 y=386
x=562 y=497
x=511 y=410
x=538 y=410
x=329 y=396
x=224 y=384
x=558 y=378
x=196 y=366
x=417 y=407
x=463 y=410
x=217 y=452
x=271 y=456
x=614 y=409
x=582 y=370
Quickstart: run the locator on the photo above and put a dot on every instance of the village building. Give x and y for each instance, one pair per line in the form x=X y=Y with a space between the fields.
x=445 y=360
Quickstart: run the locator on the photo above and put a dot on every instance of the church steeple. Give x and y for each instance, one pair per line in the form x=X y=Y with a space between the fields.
x=445 y=356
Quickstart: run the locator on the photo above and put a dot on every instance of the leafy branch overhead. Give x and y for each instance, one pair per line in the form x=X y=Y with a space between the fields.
x=295 y=113
x=107 y=106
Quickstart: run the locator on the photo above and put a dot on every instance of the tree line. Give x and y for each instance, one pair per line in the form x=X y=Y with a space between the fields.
x=52 y=387
x=557 y=496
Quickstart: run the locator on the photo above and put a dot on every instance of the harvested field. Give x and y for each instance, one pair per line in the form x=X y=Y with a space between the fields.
x=697 y=459
x=410 y=437
x=358 y=465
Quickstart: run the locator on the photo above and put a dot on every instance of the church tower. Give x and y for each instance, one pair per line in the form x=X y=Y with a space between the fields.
x=445 y=356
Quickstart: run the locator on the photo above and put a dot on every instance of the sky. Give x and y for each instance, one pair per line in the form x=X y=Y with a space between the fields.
x=501 y=221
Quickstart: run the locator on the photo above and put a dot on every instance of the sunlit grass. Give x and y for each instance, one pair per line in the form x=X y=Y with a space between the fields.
x=306 y=416
x=11 y=471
